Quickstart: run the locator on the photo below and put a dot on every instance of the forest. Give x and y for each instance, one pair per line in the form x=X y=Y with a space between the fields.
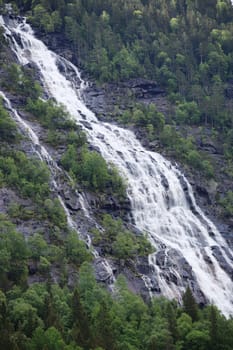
x=187 y=47
x=184 y=45
x=45 y=315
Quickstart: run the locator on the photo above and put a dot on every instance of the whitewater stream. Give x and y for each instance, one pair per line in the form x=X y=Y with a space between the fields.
x=44 y=156
x=160 y=206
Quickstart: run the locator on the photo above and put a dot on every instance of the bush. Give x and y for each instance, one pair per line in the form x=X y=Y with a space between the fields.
x=187 y=113
x=13 y=253
x=76 y=249
x=227 y=204
x=55 y=213
x=92 y=171
x=8 y=129
x=122 y=243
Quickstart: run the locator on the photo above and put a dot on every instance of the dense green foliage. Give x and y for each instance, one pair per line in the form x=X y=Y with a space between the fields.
x=44 y=315
x=86 y=167
x=29 y=178
x=49 y=114
x=49 y=316
x=8 y=131
x=152 y=122
x=20 y=80
x=90 y=169
x=187 y=46
x=119 y=242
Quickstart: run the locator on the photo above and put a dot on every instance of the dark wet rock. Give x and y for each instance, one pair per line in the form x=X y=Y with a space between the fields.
x=161 y=258
x=183 y=183
x=199 y=296
x=154 y=145
x=208 y=259
x=61 y=66
x=86 y=124
x=143 y=266
x=103 y=100
x=92 y=200
x=135 y=282
x=73 y=204
x=164 y=182
x=7 y=196
x=143 y=88
x=110 y=204
x=222 y=261
x=176 y=271
x=173 y=278
x=116 y=207
x=202 y=191
x=154 y=285
x=103 y=272
x=94 y=148
x=209 y=146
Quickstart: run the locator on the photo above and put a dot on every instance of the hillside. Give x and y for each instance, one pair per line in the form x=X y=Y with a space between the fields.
x=67 y=222
x=116 y=42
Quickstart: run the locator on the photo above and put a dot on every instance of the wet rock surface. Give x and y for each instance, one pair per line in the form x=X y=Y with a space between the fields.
x=102 y=101
x=105 y=100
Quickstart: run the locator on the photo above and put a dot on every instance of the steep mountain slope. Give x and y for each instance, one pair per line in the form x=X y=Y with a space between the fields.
x=50 y=207
x=176 y=212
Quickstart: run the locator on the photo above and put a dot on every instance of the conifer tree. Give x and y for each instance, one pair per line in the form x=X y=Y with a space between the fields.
x=190 y=305
x=80 y=331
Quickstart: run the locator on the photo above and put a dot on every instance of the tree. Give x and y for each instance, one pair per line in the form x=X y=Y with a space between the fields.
x=213 y=328
x=37 y=246
x=80 y=330
x=184 y=325
x=54 y=211
x=189 y=304
x=197 y=340
x=76 y=249
x=125 y=65
x=8 y=130
x=13 y=254
x=171 y=314
x=93 y=171
x=50 y=339
x=24 y=316
x=188 y=112
x=124 y=246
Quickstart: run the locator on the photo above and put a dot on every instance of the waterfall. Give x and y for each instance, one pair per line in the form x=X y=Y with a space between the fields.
x=43 y=155
x=175 y=225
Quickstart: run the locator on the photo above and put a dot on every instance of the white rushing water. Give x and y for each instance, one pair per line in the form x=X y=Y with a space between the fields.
x=43 y=155
x=159 y=203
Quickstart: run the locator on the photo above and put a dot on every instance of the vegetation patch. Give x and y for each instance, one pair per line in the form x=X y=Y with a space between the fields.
x=119 y=242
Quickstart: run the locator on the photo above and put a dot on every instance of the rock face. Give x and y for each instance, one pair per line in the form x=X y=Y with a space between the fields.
x=103 y=101
x=123 y=95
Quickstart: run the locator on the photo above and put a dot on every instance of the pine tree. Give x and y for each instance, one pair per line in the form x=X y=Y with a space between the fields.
x=190 y=305
x=171 y=319
x=213 y=317
x=80 y=331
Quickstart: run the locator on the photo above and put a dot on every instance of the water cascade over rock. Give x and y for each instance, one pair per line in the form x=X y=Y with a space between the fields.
x=102 y=267
x=162 y=200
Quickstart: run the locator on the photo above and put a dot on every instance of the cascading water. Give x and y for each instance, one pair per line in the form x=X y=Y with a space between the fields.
x=160 y=206
x=43 y=155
